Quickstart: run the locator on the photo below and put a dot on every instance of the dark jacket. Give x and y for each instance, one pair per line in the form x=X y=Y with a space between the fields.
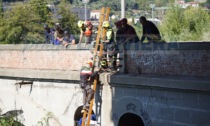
x=150 y=28
x=85 y=74
x=129 y=32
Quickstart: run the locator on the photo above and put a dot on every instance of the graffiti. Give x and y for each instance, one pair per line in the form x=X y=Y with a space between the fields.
x=130 y=106
x=146 y=118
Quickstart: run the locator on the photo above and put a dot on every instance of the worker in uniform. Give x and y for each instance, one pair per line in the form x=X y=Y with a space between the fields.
x=86 y=77
x=109 y=45
x=85 y=30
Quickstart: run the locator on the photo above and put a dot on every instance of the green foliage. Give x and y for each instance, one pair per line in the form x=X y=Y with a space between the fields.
x=184 y=24
x=24 y=22
x=39 y=7
x=1 y=9
x=19 y=23
x=68 y=18
x=9 y=122
x=45 y=120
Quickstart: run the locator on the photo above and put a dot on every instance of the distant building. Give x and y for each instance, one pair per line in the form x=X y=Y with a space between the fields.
x=201 y=1
x=184 y=4
x=95 y=14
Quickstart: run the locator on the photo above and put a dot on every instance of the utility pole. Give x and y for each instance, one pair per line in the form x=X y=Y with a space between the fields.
x=85 y=2
x=122 y=8
x=152 y=6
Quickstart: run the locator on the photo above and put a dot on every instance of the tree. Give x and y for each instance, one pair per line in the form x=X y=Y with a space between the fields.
x=1 y=9
x=40 y=8
x=68 y=18
x=20 y=23
x=185 y=24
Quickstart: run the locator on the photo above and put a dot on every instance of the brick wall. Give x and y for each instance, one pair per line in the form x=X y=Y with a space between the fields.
x=192 y=59
x=178 y=62
x=51 y=60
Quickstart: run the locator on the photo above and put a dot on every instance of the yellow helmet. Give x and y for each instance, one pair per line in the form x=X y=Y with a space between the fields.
x=106 y=24
x=80 y=23
x=103 y=63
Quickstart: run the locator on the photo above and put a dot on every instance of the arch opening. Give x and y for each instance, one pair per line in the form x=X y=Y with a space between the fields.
x=130 y=119
x=78 y=115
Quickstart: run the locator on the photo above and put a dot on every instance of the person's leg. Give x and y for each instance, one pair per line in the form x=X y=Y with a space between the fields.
x=84 y=98
x=90 y=93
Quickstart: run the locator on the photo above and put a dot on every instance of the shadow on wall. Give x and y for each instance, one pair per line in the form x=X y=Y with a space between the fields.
x=130 y=119
x=78 y=115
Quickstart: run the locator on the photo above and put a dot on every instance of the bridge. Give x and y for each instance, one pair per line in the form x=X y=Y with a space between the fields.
x=165 y=84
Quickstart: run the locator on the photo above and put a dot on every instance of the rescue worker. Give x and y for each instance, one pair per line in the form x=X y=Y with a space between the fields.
x=109 y=44
x=86 y=76
x=85 y=30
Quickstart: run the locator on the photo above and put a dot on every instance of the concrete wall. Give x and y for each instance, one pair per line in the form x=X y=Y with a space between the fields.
x=39 y=100
x=158 y=101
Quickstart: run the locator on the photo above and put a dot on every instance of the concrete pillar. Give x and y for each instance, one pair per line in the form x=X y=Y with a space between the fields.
x=122 y=8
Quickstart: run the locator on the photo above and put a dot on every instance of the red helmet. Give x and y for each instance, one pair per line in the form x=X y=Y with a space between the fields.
x=88 y=23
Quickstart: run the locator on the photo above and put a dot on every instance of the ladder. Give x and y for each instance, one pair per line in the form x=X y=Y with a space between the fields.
x=104 y=16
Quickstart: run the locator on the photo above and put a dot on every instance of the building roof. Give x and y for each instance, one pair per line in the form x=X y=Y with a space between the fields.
x=95 y=11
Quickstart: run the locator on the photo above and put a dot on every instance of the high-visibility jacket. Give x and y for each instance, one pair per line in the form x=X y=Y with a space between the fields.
x=110 y=35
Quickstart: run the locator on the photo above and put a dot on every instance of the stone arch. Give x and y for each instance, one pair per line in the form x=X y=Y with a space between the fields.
x=78 y=115
x=130 y=105
x=130 y=119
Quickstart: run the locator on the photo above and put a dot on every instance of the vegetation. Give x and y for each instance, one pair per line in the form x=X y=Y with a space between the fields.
x=24 y=22
x=8 y=118
x=68 y=19
x=189 y=24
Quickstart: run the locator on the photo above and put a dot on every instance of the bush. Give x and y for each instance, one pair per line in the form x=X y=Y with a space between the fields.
x=185 y=24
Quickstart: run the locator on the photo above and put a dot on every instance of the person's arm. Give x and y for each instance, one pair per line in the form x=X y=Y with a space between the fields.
x=60 y=39
x=94 y=74
x=73 y=42
x=143 y=35
x=81 y=36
